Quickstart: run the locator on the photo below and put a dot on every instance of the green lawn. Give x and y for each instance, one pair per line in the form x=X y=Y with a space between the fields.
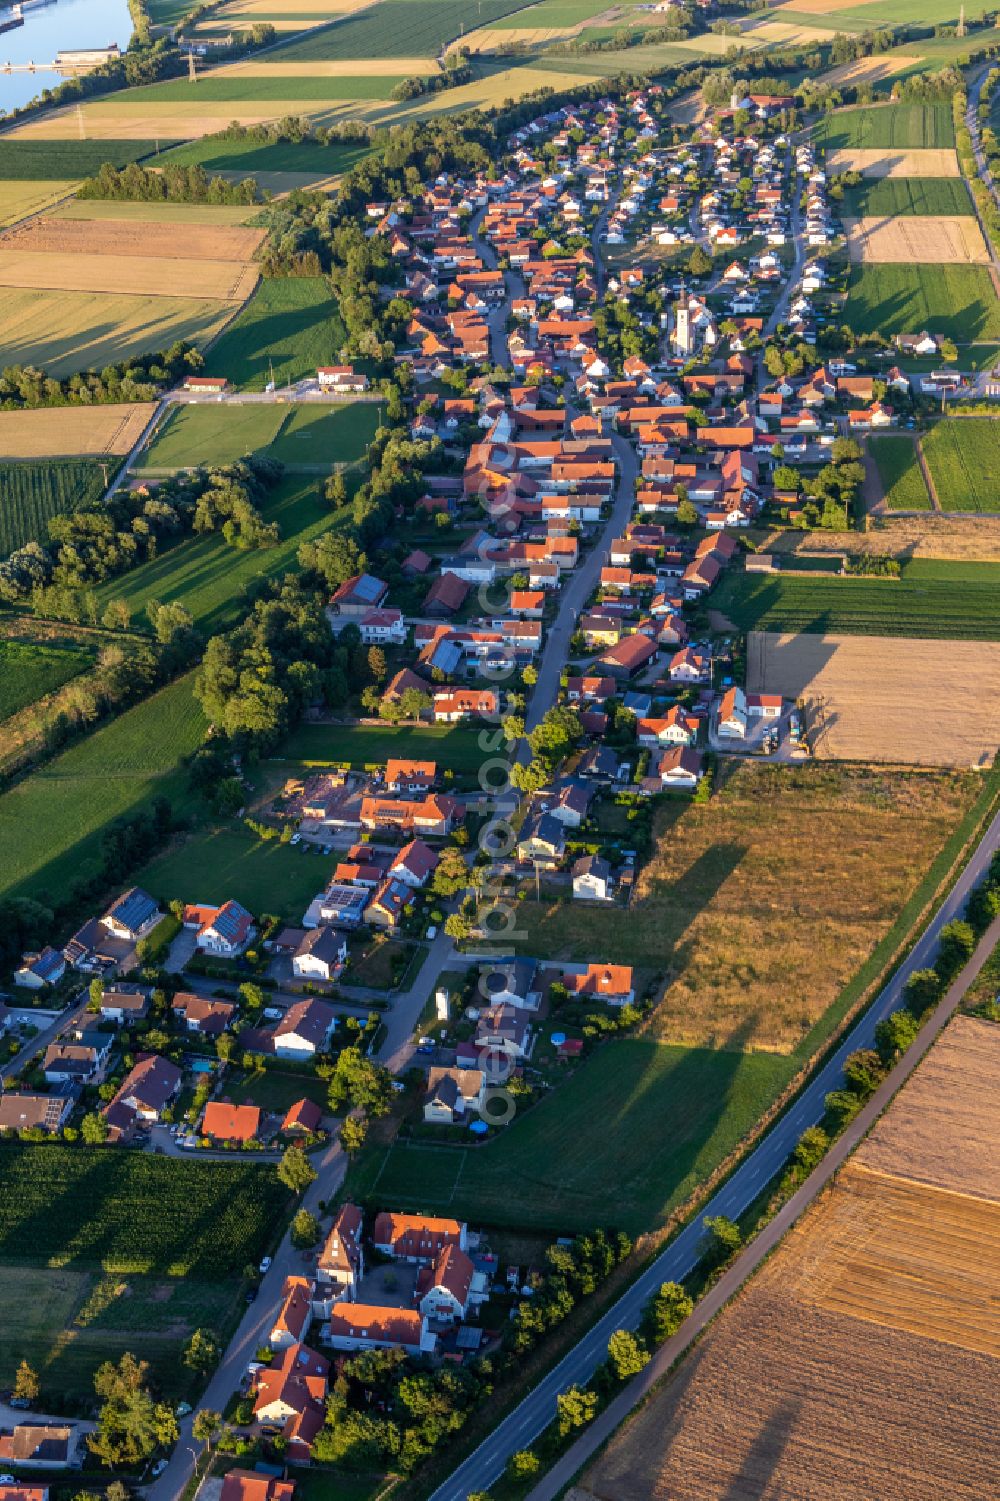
x=899 y=472
x=235 y=88
x=880 y=13
x=957 y=301
x=31 y=492
x=29 y=670
x=622 y=1142
x=906 y=126
x=66 y=1323
x=453 y=747
x=312 y=437
x=208 y=576
x=231 y=862
x=936 y=599
x=290 y=326
x=273 y=1089
x=963 y=455
x=335 y=1485
x=51 y=822
x=888 y=197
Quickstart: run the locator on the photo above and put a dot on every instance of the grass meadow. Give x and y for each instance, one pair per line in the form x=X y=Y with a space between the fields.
x=30 y=670
x=622 y=1143
x=208 y=576
x=906 y=126
x=929 y=599
x=39 y=161
x=51 y=822
x=231 y=862
x=454 y=747
x=237 y=88
x=956 y=301
x=291 y=325
x=899 y=473
x=217 y=154
x=31 y=493
x=311 y=436
x=963 y=455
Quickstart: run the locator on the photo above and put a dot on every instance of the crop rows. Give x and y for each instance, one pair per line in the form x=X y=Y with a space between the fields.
x=896 y=461
x=31 y=493
x=396 y=28
x=133 y=1211
x=963 y=455
x=961 y=608
x=900 y=125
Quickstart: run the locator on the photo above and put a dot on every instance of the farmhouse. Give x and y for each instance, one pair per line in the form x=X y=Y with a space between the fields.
x=415 y=1238
x=358 y=1326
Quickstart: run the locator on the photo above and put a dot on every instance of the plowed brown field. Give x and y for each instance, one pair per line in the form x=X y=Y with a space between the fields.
x=195 y=242
x=860 y=1363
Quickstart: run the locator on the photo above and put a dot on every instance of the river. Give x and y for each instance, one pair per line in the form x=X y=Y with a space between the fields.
x=52 y=26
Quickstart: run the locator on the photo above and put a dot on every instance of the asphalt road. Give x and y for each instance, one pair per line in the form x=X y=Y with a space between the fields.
x=747 y=1263
x=37 y=1044
x=524 y=1424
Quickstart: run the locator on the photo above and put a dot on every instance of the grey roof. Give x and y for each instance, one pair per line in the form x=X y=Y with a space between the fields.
x=321 y=943
x=133 y=909
x=592 y=865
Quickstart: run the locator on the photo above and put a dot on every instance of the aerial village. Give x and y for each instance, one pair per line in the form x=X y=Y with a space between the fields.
x=561 y=608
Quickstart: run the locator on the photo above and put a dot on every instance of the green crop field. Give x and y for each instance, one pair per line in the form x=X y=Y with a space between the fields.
x=880 y=13
x=216 y=154
x=29 y=670
x=31 y=492
x=963 y=455
x=208 y=577
x=134 y=1211
x=899 y=472
x=555 y=13
x=395 y=28
x=231 y=862
x=888 y=197
x=291 y=325
x=309 y=436
x=957 y=301
x=453 y=747
x=930 y=599
x=574 y=1161
x=67 y=159
x=906 y=126
x=51 y=822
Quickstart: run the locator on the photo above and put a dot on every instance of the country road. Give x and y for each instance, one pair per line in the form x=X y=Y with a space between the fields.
x=524 y=1424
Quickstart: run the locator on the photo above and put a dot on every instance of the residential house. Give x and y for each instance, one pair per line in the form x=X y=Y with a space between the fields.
x=414 y=864
x=321 y=955
x=133 y=915
x=360 y=1326
x=690 y=666
x=454 y=704
x=225 y=932
x=295 y=1313
x=343 y=905
x=628 y=657
x=144 y=1094
x=732 y=718
x=444 y=1290
x=410 y=776
x=304 y=1030
x=542 y=841
x=206 y=1018
x=305 y=1116
x=232 y=1123
x=606 y=982
x=82 y=1062
x=29 y=1110
x=681 y=768
x=453 y=1094
x=389 y=903
x=37 y=970
x=592 y=881
x=341 y=1262
x=358 y=596
x=416 y=1238
x=40 y=1446
x=505 y=1032
x=290 y=1397
x=513 y=984
x=251 y=1485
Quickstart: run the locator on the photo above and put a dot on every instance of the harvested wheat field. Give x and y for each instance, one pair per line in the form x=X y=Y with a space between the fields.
x=20 y=198
x=784 y=33
x=219 y=281
x=489 y=38
x=893 y=161
x=859 y=694
x=949 y=240
x=861 y=1361
x=199 y=242
x=62 y=332
x=872 y=69
x=72 y=432
x=167 y=122
x=818 y=7
x=965 y=539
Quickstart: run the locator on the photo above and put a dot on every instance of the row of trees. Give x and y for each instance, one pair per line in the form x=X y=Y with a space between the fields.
x=171 y=183
x=140 y=378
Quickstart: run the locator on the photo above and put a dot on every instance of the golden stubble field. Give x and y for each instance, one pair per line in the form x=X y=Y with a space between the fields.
x=197 y=242
x=59 y=432
x=886 y=698
x=147 y=276
x=894 y=161
x=944 y=239
x=860 y=1364
x=952 y=538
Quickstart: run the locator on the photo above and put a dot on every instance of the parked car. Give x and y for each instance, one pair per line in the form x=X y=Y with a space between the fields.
x=265 y=1265
x=158 y=1468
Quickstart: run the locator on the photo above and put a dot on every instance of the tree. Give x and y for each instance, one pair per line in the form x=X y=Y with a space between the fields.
x=894 y=1034
x=295 y=1170
x=722 y=1240
x=361 y=1082
x=206 y=1425
x=575 y=1408
x=305 y=1229
x=957 y=944
x=94 y=1129
x=863 y=1072
x=117 y=1491
x=687 y=514
x=922 y=991
x=523 y=1465
x=377 y=663
x=451 y=874
x=626 y=1355
x=529 y=676
x=26 y=1383
x=530 y=778
x=949 y=351
x=130 y=1425
x=352 y=1135
x=335 y=491
x=699 y=263
x=667 y=1311
x=786 y=478
x=202 y=1351
x=457 y=926
x=251 y=995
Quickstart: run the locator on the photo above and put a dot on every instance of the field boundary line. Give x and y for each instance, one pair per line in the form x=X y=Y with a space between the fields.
x=925 y=470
